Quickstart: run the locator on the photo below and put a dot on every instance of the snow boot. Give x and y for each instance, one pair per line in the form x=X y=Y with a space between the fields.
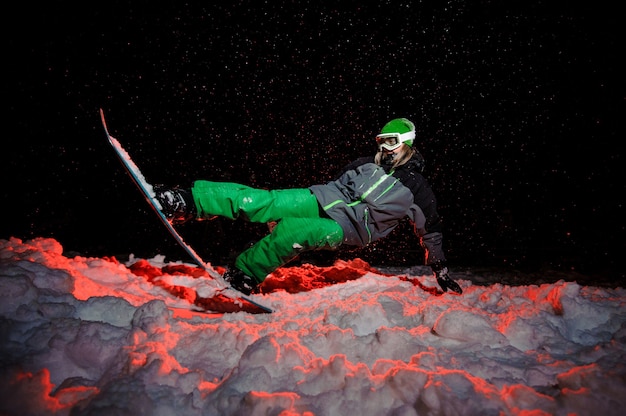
x=176 y=203
x=238 y=280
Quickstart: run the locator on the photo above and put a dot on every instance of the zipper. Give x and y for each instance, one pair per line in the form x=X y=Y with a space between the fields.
x=366 y=213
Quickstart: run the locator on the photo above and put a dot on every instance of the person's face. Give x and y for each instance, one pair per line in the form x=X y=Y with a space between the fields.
x=389 y=155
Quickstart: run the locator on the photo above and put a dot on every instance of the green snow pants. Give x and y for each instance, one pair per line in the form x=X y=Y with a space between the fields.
x=299 y=226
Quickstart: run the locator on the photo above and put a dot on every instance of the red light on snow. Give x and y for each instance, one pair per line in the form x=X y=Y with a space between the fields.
x=39 y=389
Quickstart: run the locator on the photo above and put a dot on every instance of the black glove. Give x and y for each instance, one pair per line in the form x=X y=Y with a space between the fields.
x=444 y=280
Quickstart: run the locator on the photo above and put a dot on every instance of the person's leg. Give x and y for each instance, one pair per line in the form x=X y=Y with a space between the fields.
x=298 y=227
x=290 y=237
x=232 y=200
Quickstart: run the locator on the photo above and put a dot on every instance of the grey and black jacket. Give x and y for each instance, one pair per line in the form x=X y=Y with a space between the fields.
x=368 y=202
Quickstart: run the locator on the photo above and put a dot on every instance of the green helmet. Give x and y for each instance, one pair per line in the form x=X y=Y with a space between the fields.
x=396 y=132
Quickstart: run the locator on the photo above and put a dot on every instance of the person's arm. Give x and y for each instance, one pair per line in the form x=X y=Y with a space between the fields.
x=435 y=258
x=428 y=227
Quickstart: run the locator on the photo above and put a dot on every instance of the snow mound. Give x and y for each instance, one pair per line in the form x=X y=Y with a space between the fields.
x=86 y=336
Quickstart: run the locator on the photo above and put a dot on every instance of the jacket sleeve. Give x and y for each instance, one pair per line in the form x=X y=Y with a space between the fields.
x=432 y=243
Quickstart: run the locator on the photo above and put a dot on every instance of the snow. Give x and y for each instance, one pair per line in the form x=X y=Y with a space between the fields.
x=86 y=336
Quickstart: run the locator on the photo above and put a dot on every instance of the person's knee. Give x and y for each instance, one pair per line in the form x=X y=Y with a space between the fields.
x=310 y=233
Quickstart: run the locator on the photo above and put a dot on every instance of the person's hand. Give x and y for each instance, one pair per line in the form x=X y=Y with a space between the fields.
x=443 y=278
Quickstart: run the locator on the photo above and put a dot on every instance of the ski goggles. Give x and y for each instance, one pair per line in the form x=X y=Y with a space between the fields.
x=391 y=141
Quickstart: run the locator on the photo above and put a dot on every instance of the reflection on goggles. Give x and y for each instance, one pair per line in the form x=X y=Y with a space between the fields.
x=388 y=141
x=391 y=141
x=390 y=138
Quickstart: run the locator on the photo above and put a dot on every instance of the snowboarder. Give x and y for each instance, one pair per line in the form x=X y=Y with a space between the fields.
x=364 y=203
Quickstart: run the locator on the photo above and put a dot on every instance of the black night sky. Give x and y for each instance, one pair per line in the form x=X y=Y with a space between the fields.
x=519 y=108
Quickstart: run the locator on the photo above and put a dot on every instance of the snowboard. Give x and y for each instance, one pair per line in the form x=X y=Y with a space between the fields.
x=229 y=299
